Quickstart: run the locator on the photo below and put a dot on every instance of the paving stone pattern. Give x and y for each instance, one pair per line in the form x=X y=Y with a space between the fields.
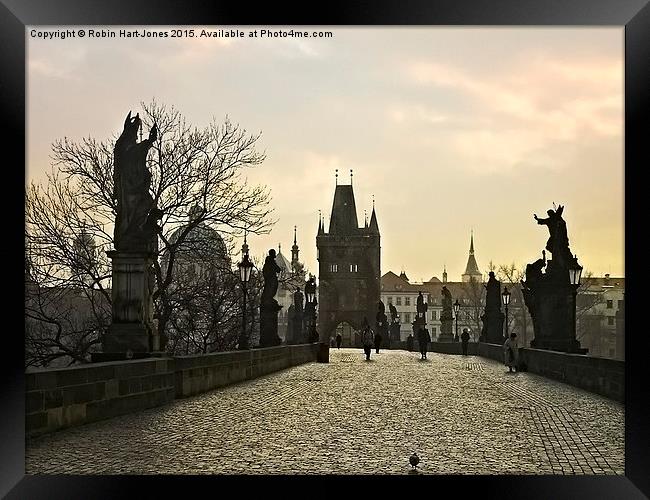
x=461 y=414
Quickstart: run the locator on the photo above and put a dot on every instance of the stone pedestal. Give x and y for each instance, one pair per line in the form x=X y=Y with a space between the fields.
x=269 y=324
x=132 y=332
x=492 y=331
x=554 y=318
x=395 y=332
x=446 y=329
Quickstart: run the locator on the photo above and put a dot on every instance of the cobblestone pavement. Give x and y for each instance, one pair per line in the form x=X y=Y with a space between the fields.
x=462 y=415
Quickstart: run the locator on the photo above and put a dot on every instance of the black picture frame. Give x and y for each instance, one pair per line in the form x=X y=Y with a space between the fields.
x=634 y=15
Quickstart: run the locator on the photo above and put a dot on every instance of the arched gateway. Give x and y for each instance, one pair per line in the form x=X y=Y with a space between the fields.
x=349 y=267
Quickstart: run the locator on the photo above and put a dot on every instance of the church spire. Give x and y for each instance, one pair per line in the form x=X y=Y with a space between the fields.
x=294 y=251
x=444 y=274
x=471 y=270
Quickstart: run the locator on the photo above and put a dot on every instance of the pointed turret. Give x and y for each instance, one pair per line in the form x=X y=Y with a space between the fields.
x=374 y=227
x=444 y=274
x=294 y=251
x=344 y=212
x=471 y=270
x=321 y=226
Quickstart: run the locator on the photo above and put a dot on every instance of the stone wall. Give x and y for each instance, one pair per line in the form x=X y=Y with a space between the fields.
x=65 y=397
x=197 y=374
x=600 y=375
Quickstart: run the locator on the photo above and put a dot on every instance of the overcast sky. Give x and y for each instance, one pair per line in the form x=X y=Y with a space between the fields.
x=451 y=129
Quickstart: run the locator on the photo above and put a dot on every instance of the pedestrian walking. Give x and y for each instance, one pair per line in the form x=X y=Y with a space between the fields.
x=423 y=340
x=367 y=338
x=409 y=342
x=464 y=337
x=511 y=352
x=339 y=339
x=377 y=341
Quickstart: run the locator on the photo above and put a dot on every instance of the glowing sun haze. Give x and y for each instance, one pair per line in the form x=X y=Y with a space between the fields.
x=451 y=129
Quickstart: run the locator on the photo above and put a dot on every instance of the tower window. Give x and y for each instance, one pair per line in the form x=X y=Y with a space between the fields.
x=334 y=268
x=354 y=268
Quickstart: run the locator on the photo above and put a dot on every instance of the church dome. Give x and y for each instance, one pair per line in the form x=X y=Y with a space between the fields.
x=201 y=244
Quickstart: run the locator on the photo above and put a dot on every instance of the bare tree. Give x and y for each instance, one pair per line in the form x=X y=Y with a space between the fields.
x=190 y=166
x=519 y=319
x=473 y=296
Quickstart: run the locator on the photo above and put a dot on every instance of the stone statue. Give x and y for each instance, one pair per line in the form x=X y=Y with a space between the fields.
x=297 y=300
x=446 y=300
x=270 y=272
x=136 y=213
x=493 y=293
x=381 y=318
x=393 y=313
x=492 y=317
x=558 y=241
x=421 y=306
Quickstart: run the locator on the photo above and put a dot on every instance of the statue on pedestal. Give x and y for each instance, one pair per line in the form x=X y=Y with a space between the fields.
x=492 y=317
x=132 y=332
x=550 y=296
x=446 y=316
x=269 y=307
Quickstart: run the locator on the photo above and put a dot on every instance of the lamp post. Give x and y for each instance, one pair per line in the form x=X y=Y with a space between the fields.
x=310 y=296
x=575 y=270
x=506 y=300
x=245 y=267
x=456 y=311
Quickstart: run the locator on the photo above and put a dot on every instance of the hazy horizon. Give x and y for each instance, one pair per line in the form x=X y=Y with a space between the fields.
x=451 y=130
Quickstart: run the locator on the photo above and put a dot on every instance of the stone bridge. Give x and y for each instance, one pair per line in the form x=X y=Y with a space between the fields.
x=461 y=414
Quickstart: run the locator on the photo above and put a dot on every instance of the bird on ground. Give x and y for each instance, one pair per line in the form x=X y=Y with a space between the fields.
x=414 y=460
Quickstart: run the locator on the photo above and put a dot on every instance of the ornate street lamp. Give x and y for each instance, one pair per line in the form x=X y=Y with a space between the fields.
x=575 y=270
x=456 y=312
x=245 y=267
x=506 y=300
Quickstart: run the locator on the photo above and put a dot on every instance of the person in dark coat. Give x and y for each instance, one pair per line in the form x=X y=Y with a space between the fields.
x=339 y=339
x=409 y=342
x=423 y=339
x=367 y=339
x=377 y=342
x=464 y=337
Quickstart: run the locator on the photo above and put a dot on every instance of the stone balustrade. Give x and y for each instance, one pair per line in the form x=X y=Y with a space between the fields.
x=65 y=397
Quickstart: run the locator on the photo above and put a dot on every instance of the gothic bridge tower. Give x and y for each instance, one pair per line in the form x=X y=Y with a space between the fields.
x=348 y=267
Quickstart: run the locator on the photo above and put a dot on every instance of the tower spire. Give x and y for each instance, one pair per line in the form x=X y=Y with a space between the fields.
x=471 y=243
x=336 y=177
x=294 y=252
x=350 y=177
